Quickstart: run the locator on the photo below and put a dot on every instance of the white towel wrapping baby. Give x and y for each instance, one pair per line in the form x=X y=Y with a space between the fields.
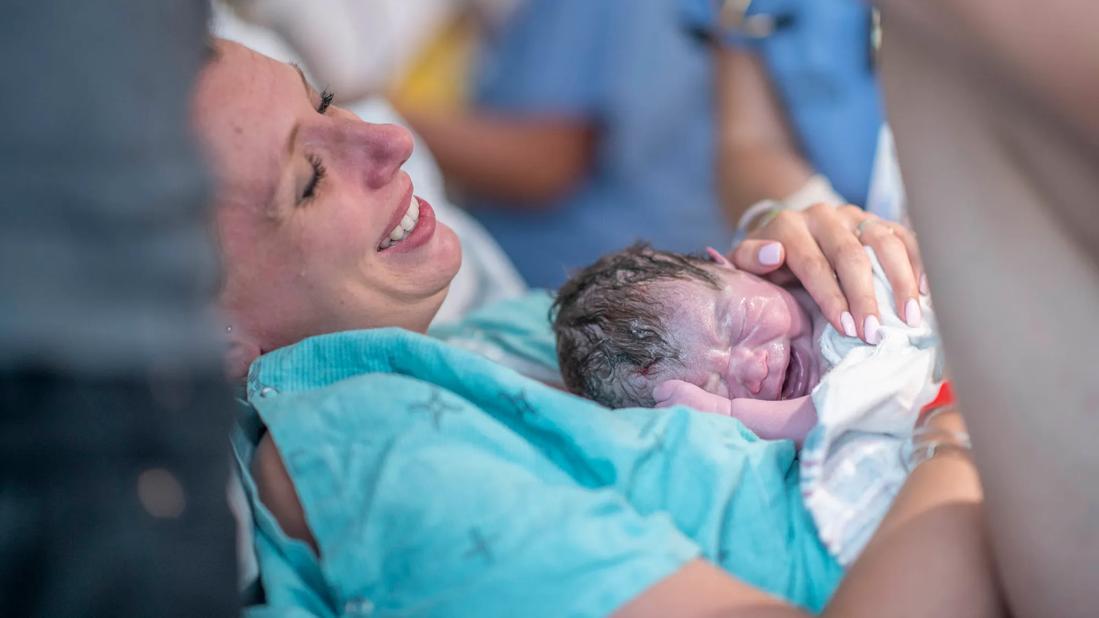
x=867 y=404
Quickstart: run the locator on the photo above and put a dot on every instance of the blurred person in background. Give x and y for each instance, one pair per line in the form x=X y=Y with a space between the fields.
x=113 y=409
x=799 y=123
x=799 y=107
x=589 y=127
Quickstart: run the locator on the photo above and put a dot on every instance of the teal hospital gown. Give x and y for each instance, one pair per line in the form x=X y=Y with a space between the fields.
x=438 y=483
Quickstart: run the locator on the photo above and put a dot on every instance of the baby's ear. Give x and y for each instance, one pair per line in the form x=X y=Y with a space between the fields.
x=719 y=259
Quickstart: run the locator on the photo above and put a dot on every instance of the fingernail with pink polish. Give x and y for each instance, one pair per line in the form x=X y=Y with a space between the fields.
x=871 y=330
x=771 y=254
x=912 y=314
x=848 y=322
x=924 y=288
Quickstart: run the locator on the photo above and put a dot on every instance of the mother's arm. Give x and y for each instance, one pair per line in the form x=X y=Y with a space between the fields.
x=928 y=558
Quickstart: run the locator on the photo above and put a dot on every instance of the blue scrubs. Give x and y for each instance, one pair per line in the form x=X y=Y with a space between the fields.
x=630 y=69
x=820 y=63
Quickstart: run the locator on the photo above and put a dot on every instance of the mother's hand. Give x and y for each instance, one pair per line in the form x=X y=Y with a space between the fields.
x=822 y=248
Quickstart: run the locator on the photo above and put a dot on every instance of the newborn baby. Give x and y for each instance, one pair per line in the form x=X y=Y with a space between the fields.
x=649 y=328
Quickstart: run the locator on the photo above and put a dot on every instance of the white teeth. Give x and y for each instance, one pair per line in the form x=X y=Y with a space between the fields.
x=407 y=224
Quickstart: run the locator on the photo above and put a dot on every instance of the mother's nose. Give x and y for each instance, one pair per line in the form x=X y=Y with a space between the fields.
x=379 y=151
x=749 y=368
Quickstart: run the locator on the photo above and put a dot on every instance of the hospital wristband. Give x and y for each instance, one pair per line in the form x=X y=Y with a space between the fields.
x=926 y=443
x=816 y=190
x=757 y=216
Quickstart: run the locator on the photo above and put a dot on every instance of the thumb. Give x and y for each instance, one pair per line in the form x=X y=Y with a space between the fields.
x=668 y=393
x=663 y=391
x=759 y=257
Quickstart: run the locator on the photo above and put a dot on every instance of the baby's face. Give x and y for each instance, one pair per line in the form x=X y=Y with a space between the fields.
x=750 y=338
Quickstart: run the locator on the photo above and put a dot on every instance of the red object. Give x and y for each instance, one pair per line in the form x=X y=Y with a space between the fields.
x=944 y=398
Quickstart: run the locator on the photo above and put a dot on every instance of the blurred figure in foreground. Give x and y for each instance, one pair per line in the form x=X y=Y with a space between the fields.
x=113 y=412
x=996 y=113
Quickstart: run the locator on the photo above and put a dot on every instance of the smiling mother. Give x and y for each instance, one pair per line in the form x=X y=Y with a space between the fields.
x=389 y=474
x=319 y=227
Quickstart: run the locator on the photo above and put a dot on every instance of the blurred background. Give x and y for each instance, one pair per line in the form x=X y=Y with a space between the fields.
x=565 y=129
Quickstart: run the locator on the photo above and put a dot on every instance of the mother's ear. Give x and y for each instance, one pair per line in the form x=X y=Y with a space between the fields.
x=241 y=350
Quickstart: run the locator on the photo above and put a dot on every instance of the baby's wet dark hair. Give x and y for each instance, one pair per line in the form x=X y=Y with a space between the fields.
x=609 y=326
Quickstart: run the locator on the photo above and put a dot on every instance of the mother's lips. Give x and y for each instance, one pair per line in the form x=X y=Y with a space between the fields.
x=407 y=223
x=400 y=209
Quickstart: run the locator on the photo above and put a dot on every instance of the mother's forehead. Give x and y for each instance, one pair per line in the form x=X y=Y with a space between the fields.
x=244 y=108
x=241 y=85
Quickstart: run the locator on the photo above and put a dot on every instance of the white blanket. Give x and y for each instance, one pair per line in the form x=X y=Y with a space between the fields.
x=867 y=404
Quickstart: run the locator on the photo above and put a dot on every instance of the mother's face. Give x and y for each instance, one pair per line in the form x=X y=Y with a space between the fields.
x=309 y=204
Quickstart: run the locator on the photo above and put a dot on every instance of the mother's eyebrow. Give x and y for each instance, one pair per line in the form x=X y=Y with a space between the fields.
x=292 y=137
x=304 y=82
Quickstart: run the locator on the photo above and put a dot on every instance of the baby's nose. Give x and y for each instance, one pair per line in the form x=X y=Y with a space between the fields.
x=749 y=367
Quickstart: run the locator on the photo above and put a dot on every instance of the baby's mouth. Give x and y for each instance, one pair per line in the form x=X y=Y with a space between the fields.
x=793 y=381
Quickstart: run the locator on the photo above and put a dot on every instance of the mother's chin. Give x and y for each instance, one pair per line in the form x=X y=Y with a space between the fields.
x=276 y=316
x=278 y=293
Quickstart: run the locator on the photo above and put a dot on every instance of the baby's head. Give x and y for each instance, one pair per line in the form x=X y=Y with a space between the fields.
x=641 y=316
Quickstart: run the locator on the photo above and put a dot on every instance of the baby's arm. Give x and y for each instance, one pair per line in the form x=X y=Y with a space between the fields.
x=790 y=419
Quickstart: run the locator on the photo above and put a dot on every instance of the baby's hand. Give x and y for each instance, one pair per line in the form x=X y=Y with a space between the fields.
x=771 y=420
x=677 y=392
x=789 y=419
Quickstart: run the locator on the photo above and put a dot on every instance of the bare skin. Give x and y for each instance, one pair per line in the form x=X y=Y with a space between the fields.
x=757 y=156
x=994 y=109
x=738 y=341
x=271 y=225
x=758 y=159
x=308 y=197
x=747 y=352
x=821 y=251
x=277 y=492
